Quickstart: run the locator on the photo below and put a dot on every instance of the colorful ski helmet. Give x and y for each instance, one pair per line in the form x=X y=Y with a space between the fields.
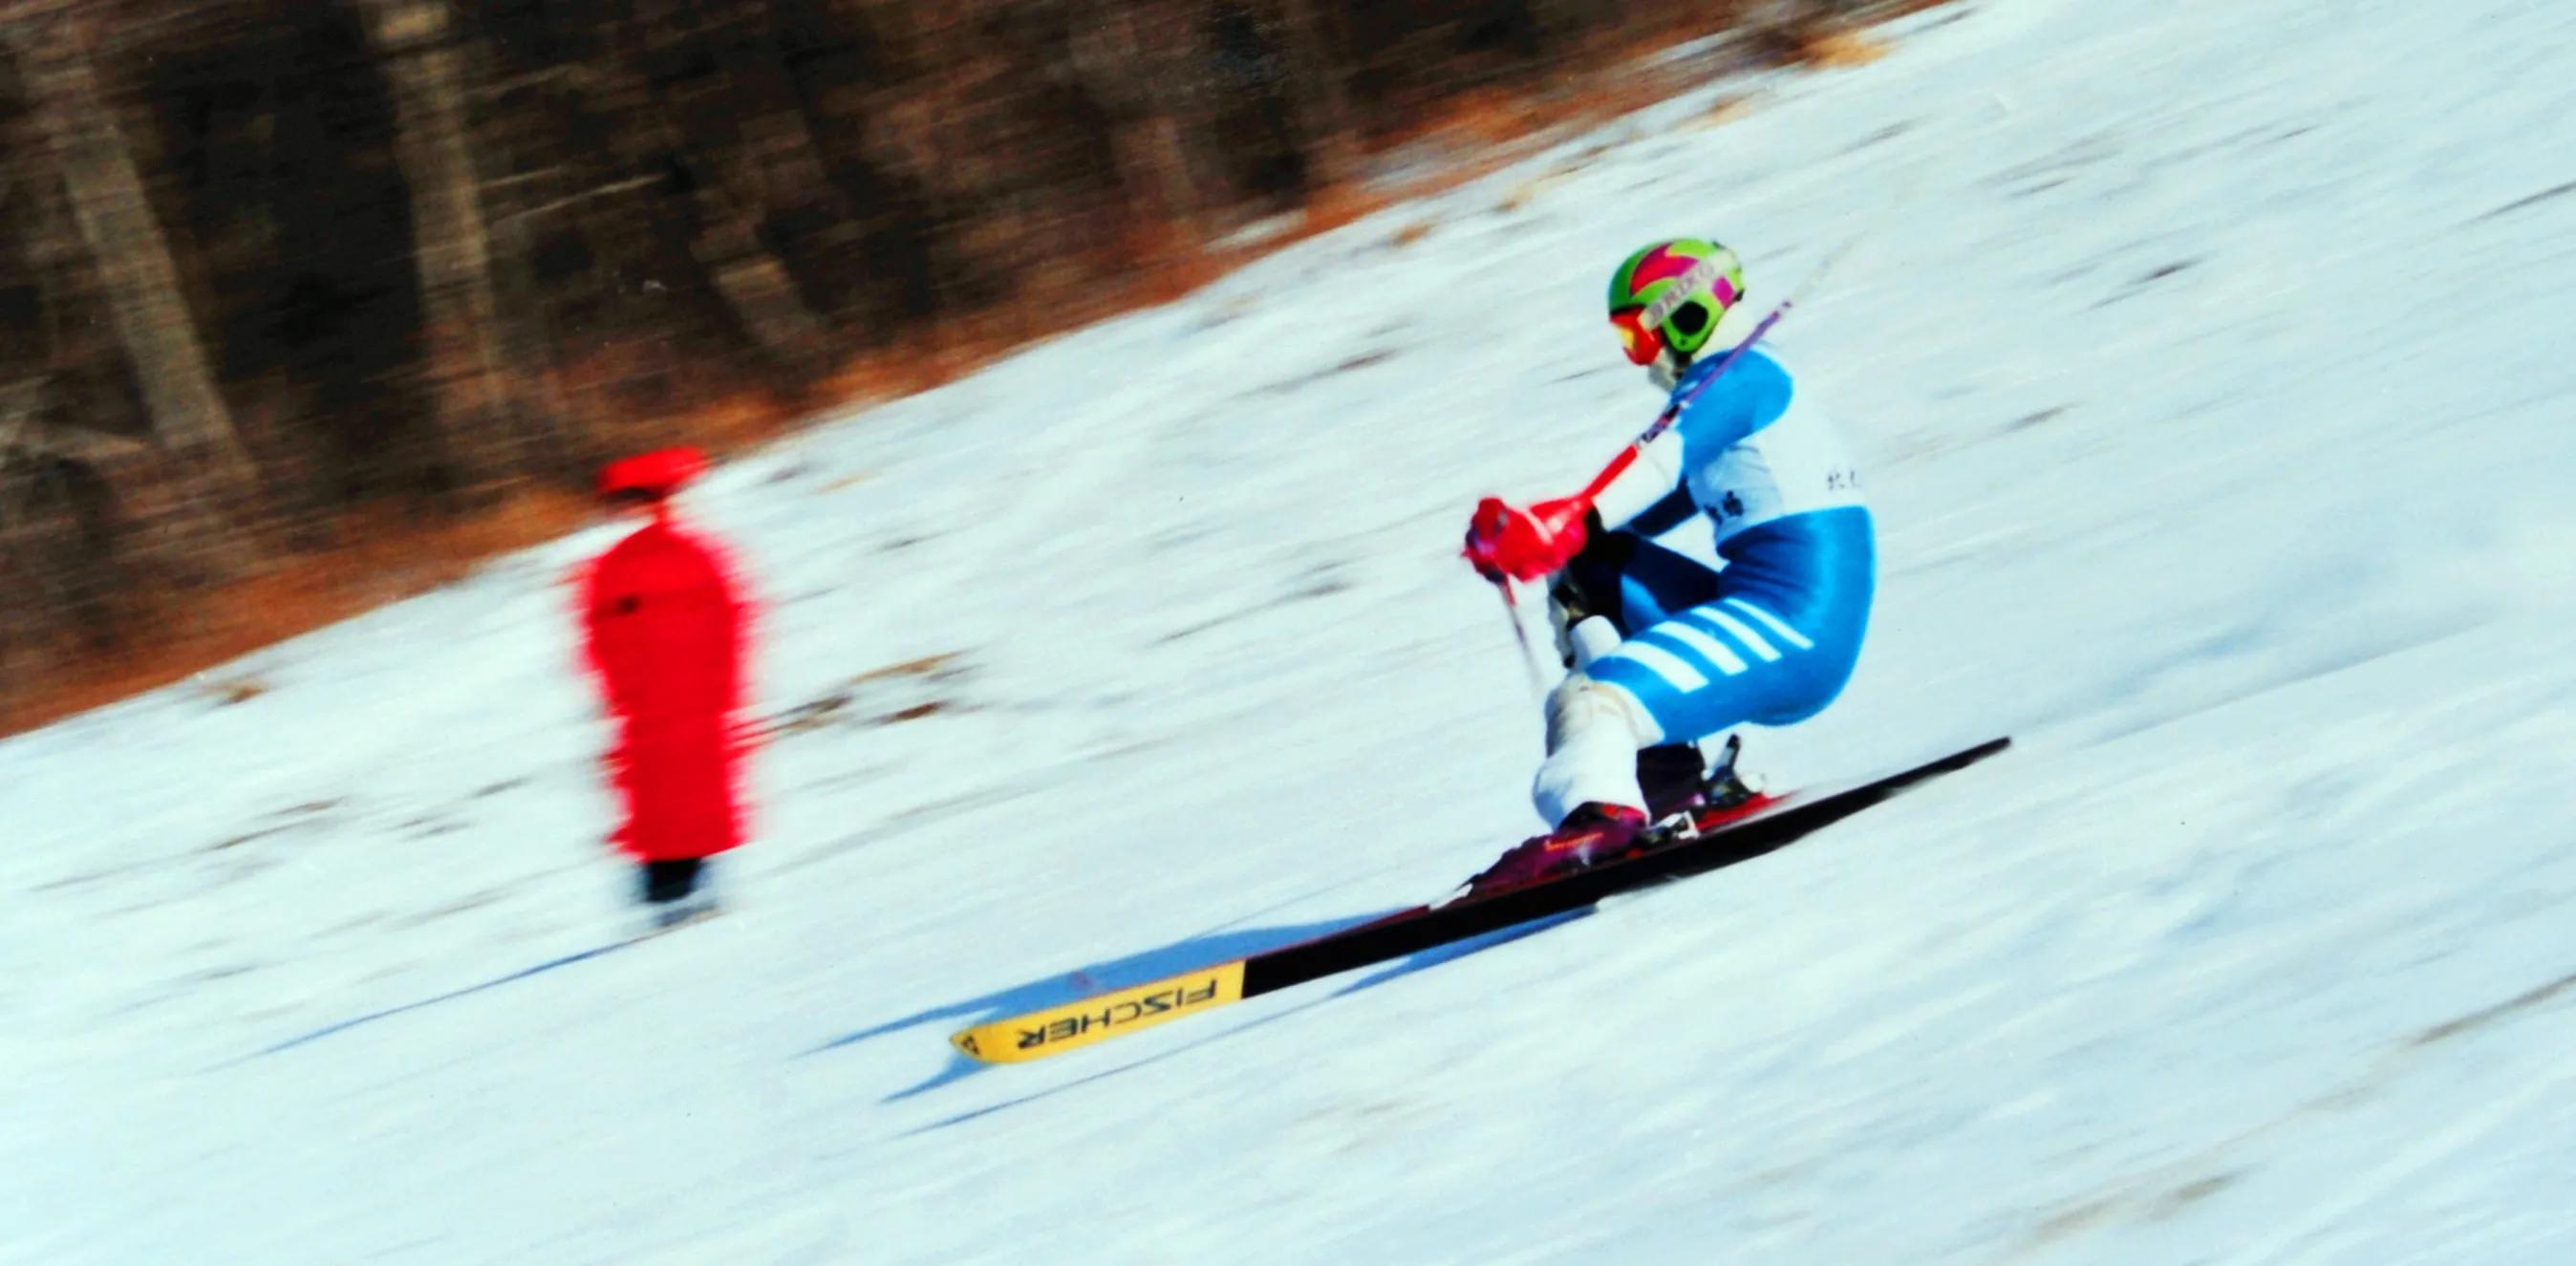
x=1669 y=297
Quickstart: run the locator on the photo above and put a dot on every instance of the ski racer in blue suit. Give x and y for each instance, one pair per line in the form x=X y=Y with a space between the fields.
x=1720 y=572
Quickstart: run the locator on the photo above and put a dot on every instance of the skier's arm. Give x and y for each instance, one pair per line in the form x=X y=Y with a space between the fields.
x=1647 y=472
x=1640 y=476
x=1536 y=541
x=1529 y=543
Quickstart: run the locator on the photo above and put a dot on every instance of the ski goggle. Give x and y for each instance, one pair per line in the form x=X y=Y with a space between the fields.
x=1642 y=342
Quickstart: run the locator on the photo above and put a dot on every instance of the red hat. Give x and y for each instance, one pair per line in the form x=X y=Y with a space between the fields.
x=653 y=475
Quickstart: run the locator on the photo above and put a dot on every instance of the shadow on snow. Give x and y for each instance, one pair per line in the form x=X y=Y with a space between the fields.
x=388 y=1013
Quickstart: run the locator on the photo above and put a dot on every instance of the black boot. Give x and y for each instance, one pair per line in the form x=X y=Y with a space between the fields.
x=667 y=881
x=1721 y=788
x=1669 y=774
x=1675 y=778
x=673 y=895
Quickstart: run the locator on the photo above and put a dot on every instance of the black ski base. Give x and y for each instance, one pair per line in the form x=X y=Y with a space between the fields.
x=1428 y=927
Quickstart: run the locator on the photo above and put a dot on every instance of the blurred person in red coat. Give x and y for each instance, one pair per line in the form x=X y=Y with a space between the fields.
x=665 y=633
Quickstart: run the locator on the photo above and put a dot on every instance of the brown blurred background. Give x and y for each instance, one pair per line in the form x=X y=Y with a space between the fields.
x=309 y=303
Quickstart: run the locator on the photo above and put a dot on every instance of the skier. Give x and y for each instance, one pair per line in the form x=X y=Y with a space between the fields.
x=665 y=633
x=1674 y=635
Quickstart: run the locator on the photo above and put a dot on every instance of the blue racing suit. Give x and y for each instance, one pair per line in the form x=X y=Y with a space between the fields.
x=1737 y=560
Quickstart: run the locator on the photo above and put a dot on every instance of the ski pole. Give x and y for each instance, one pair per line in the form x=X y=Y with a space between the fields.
x=1520 y=634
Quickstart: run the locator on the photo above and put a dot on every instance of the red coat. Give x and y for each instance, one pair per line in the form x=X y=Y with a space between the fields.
x=665 y=632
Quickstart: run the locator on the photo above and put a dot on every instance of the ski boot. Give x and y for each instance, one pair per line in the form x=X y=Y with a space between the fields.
x=1670 y=775
x=675 y=894
x=1592 y=834
x=1677 y=779
x=1721 y=787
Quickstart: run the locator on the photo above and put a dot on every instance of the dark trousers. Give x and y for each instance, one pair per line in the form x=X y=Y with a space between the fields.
x=670 y=881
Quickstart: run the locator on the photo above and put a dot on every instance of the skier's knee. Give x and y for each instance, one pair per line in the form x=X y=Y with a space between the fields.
x=1582 y=709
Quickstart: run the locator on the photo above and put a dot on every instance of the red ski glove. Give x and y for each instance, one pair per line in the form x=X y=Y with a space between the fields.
x=1527 y=544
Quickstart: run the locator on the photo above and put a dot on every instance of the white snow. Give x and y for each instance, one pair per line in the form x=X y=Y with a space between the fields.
x=2212 y=364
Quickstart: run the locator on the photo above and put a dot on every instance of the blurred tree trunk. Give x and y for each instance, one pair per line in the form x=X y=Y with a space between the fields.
x=86 y=510
x=1136 y=77
x=58 y=572
x=133 y=263
x=567 y=198
x=565 y=448
x=58 y=529
x=753 y=281
x=1316 y=92
x=770 y=152
x=462 y=351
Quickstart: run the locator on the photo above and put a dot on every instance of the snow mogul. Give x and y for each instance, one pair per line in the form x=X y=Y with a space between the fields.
x=1674 y=633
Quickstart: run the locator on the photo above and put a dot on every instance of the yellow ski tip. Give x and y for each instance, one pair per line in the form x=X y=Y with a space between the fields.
x=1038 y=1034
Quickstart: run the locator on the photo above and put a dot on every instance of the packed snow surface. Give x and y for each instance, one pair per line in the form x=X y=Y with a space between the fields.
x=2210 y=362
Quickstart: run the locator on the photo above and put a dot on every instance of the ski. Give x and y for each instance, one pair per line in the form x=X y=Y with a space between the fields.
x=1701 y=842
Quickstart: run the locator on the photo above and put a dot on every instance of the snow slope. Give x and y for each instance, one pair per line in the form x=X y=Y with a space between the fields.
x=2209 y=360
